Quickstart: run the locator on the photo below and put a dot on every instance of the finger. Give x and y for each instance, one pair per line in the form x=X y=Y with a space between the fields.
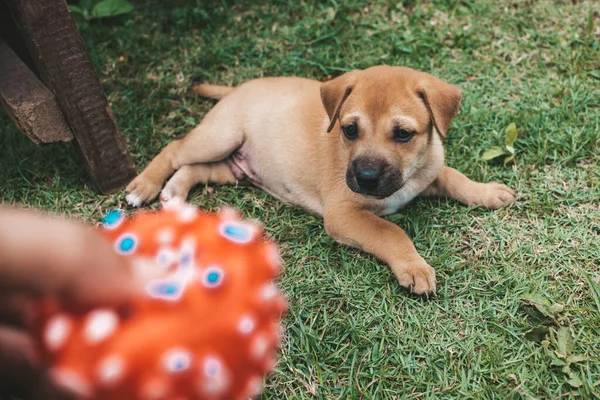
x=46 y=389
x=17 y=309
x=52 y=255
x=18 y=360
x=21 y=374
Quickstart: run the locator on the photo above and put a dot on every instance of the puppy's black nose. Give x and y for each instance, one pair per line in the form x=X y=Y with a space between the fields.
x=367 y=173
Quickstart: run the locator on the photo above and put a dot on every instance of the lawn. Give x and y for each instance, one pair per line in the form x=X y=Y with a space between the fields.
x=517 y=314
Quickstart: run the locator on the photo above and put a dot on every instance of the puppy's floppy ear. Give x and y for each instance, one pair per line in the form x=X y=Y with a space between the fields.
x=334 y=93
x=442 y=101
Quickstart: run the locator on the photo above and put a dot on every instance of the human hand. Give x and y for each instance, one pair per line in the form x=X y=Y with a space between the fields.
x=44 y=256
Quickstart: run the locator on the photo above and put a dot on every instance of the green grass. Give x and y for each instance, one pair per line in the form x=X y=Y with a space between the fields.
x=352 y=332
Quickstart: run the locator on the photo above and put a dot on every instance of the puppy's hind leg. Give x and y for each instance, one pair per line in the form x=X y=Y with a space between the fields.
x=212 y=141
x=189 y=176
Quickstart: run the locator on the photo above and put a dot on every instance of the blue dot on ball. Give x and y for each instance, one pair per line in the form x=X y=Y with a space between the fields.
x=112 y=218
x=213 y=277
x=126 y=244
x=186 y=258
x=168 y=288
x=236 y=232
x=165 y=290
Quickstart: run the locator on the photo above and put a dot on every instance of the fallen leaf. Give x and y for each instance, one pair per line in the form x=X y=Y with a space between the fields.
x=564 y=341
x=537 y=334
x=493 y=152
x=510 y=136
x=543 y=305
x=575 y=380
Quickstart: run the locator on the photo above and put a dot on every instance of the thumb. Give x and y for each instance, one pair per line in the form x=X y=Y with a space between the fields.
x=56 y=256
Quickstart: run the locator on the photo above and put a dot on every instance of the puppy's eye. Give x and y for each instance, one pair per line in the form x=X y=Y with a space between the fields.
x=402 y=135
x=350 y=131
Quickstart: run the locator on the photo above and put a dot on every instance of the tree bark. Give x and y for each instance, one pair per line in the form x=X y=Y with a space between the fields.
x=30 y=105
x=59 y=53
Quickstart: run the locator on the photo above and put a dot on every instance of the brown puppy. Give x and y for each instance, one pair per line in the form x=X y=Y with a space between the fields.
x=351 y=149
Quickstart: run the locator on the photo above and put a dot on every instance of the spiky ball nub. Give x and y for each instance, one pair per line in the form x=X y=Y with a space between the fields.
x=207 y=326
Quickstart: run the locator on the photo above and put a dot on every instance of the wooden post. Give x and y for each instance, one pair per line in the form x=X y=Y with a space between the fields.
x=10 y=34
x=59 y=53
x=28 y=102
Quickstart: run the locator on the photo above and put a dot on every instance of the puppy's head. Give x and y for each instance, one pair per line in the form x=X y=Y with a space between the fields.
x=388 y=118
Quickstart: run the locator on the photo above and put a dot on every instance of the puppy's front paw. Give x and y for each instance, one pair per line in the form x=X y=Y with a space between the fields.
x=417 y=276
x=141 y=190
x=173 y=190
x=495 y=195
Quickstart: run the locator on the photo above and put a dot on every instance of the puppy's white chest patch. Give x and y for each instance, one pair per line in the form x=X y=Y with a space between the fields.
x=397 y=200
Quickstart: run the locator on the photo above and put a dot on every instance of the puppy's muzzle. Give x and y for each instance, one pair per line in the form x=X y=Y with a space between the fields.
x=372 y=177
x=367 y=175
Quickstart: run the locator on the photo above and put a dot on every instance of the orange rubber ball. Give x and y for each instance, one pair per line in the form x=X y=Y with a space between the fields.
x=207 y=326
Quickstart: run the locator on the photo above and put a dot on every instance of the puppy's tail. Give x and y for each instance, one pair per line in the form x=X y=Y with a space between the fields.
x=212 y=91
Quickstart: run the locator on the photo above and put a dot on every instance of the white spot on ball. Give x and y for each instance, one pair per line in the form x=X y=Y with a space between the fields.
x=187 y=213
x=274 y=258
x=111 y=369
x=57 y=332
x=246 y=325
x=187 y=252
x=212 y=366
x=177 y=360
x=254 y=386
x=72 y=382
x=230 y=213
x=259 y=347
x=268 y=292
x=100 y=325
x=165 y=257
x=165 y=236
x=214 y=380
